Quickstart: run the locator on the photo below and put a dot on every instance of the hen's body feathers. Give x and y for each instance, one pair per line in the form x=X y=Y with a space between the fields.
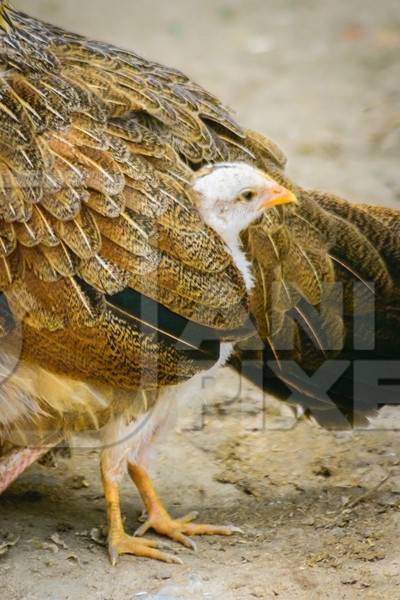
x=97 y=151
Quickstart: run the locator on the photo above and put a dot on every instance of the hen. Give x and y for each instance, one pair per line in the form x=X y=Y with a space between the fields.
x=115 y=292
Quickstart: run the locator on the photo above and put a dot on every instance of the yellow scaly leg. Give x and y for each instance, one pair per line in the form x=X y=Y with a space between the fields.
x=119 y=542
x=160 y=520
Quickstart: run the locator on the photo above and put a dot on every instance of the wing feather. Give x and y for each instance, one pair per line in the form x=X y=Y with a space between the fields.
x=96 y=151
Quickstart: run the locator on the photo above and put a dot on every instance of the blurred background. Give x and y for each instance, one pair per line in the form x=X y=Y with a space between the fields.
x=320 y=78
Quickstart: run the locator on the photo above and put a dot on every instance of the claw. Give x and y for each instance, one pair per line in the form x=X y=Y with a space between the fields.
x=114 y=555
x=122 y=543
x=236 y=529
x=179 y=530
x=190 y=544
x=158 y=518
x=143 y=529
x=192 y=516
x=119 y=542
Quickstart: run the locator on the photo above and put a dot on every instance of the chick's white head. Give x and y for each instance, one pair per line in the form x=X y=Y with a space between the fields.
x=231 y=196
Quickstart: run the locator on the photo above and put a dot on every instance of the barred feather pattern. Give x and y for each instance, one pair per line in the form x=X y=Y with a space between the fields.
x=98 y=149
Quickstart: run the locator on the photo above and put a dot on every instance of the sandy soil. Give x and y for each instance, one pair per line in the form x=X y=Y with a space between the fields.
x=322 y=79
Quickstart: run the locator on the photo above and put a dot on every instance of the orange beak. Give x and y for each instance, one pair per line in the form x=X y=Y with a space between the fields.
x=277 y=196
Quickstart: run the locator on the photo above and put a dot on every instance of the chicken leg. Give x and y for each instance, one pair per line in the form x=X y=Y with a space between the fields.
x=119 y=542
x=162 y=522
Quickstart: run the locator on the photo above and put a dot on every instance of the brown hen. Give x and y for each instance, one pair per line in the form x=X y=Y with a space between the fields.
x=114 y=289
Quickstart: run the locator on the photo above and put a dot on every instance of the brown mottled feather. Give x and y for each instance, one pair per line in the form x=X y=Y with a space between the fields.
x=98 y=148
x=94 y=201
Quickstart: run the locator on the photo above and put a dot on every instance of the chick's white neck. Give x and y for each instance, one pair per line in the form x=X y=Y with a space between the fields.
x=235 y=248
x=230 y=233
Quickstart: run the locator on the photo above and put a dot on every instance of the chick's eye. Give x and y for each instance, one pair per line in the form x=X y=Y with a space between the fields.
x=248 y=196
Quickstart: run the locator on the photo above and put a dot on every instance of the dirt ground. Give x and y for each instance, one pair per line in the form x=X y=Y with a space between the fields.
x=319 y=511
